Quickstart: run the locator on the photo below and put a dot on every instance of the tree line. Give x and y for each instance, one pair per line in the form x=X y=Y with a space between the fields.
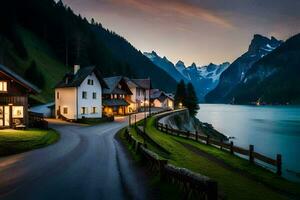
x=186 y=97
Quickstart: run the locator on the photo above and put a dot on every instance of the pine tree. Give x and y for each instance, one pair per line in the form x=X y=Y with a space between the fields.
x=180 y=95
x=191 y=101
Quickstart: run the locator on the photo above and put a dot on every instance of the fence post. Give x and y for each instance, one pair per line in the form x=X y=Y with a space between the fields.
x=196 y=135
x=212 y=190
x=129 y=120
x=188 y=134
x=251 y=157
x=279 y=164
x=221 y=144
x=135 y=120
x=231 y=147
x=207 y=139
x=166 y=128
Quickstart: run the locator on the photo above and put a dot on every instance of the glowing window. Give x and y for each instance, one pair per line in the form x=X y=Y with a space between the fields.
x=3 y=86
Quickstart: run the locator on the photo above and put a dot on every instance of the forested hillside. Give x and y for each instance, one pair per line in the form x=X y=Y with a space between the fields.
x=41 y=40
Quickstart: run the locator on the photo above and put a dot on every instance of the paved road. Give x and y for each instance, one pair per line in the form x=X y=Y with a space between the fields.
x=87 y=163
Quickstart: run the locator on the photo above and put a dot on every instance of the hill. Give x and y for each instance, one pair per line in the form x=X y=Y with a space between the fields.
x=51 y=37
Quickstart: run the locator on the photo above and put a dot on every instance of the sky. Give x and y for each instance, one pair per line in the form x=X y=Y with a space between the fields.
x=200 y=31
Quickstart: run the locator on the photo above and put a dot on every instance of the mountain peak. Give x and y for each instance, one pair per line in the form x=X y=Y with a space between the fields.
x=262 y=45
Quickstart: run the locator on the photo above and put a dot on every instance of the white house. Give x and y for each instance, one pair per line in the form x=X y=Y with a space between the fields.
x=140 y=89
x=79 y=94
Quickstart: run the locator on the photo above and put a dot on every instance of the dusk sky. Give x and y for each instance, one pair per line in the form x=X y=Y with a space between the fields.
x=200 y=31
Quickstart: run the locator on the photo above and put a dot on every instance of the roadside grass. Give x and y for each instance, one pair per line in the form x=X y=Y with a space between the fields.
x=18 y=141
x=232 y=184
x=159 y=189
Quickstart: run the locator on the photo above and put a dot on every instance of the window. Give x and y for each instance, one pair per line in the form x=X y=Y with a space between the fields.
x=90 y=82
x=65 y=110
x=3 y=86
x=84 y=95
x=84 y=110
x=57 y=95
x=94 y=95
x=94 y=110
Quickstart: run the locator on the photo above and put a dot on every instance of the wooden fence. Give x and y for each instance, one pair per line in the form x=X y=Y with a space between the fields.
x=224 y=145
x=192 y=184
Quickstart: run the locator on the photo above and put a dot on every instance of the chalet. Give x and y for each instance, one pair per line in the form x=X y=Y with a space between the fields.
x=79 y=94
x=140 y=89
x=117 y=97
x=161 y=99
x=14 y=92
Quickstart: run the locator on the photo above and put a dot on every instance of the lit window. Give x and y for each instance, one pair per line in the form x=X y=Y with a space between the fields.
x=94 y=95
x=84 y=110
x=94 y=110
x=84 y=95
x=65 y=110
x=3 y=86
x=17 y=112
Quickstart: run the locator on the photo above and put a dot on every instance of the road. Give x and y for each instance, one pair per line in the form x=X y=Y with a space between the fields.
x=87 y=163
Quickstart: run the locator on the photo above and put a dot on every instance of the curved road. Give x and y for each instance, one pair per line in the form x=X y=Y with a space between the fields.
x=87 y=163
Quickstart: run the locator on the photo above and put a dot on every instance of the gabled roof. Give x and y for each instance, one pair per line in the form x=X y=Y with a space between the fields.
x=32 y=88
x=160 y=95
x=113 y=82
x=143 y=83
x=80 y=76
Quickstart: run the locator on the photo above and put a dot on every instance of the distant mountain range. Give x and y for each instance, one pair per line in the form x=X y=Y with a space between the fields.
x=203 y=78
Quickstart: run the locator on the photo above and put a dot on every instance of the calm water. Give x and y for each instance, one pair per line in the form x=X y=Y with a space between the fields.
x=271 y=129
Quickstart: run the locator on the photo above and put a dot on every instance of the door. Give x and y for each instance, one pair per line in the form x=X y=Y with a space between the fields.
x=6 y=116
x=1 y=116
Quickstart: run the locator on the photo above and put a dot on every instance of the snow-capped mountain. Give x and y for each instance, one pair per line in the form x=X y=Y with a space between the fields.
x=260 y=46
x=203 y=78
x=166 y=65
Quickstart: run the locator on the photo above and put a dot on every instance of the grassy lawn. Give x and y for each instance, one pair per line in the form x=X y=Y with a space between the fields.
x=17 y=141
x=232 y=184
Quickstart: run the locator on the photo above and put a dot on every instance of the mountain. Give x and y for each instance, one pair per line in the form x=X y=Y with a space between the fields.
x=165 y=64
x=204 y=78
x=49 y=35
x=274 y=79
x=260 y=46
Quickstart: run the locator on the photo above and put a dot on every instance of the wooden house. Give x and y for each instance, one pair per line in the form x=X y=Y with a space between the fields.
x=14 y=92
x=117 y=97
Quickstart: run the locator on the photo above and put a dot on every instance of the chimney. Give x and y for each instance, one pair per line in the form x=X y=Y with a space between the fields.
x=76 y=68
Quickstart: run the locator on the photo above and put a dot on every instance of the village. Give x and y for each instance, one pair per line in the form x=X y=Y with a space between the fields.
x=81 y=94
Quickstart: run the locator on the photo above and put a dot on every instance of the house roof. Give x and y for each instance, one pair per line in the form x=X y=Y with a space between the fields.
x=32 y=88
x=80 y=76
x=113 y=82
x=143 y=83
x=160 y=95
x=114 y=102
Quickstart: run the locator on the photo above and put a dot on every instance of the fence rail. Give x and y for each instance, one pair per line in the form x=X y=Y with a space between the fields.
x=192 y=184
x=252 y=155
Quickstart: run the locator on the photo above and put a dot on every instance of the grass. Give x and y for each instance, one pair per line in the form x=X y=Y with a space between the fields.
x=232 y=184
x=161 y=189
x=17 y=141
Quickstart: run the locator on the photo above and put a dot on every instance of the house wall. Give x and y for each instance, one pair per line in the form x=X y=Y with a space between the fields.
x=66 y=98
x=89 y=103
x=157 y=103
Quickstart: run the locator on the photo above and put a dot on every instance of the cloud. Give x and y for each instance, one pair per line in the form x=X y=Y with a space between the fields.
x=176 y=9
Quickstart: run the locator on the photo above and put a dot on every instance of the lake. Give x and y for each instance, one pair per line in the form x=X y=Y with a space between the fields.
x=271 y=129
